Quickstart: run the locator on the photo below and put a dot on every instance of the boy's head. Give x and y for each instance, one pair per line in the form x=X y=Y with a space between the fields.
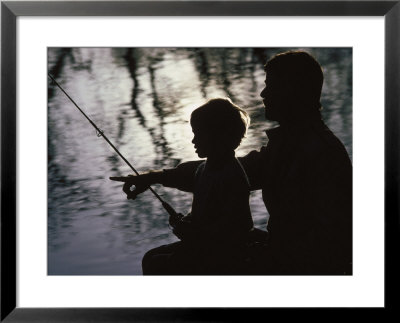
x=218 y=126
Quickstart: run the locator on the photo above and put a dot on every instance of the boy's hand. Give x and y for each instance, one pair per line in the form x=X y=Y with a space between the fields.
x=139 y=182
x=174 y=219
x=184 y=229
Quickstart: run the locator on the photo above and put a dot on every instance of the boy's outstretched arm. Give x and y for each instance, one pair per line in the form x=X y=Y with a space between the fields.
x=180 y=177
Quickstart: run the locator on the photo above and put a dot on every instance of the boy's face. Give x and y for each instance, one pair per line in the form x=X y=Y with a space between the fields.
x=204 y=142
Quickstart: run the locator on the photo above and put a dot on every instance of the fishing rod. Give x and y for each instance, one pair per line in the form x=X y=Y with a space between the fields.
x=166 y=206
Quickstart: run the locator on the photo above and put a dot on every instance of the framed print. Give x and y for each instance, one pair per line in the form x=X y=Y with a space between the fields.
x=41 y=277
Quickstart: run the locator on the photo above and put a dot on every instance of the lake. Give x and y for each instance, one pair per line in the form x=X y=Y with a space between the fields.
x=142 y=99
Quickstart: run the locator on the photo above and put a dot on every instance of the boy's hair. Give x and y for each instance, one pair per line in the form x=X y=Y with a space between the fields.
x=222 y=117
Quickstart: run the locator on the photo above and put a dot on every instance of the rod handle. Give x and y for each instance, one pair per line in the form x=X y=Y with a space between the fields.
x=169 y=209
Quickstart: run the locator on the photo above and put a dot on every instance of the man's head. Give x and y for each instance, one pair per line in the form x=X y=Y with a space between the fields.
x=293 y=86
x=218 y=125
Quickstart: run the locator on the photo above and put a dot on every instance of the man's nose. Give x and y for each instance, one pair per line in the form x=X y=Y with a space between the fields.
x=262 y=94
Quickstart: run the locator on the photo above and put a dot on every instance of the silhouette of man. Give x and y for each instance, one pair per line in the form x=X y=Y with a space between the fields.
x=304 y=172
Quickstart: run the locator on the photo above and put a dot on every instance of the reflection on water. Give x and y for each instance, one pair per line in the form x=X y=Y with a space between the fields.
x=142 y=99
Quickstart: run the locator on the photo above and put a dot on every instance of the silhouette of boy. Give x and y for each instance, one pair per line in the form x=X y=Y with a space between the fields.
x=213 y=234
x=304 y=172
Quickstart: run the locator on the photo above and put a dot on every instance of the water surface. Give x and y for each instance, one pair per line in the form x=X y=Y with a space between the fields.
x=142 y=99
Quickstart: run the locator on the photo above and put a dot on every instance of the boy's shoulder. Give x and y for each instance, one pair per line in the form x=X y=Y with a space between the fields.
x=231 y=173
x=200 y=168
x=234 y=174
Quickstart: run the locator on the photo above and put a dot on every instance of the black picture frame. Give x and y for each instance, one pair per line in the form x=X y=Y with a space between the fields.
x=10 y=10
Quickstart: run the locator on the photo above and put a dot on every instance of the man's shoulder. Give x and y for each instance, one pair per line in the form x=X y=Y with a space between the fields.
x=323 y=146
x=322 y=138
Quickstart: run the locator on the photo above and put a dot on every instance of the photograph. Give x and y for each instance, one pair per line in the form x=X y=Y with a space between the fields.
x=199 y=161
x=189 y=161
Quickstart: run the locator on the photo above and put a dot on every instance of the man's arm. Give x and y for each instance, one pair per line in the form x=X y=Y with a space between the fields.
x=253 y=166
x=180 y=177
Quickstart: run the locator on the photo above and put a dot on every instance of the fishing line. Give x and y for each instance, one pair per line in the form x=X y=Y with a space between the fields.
x=100 y=133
